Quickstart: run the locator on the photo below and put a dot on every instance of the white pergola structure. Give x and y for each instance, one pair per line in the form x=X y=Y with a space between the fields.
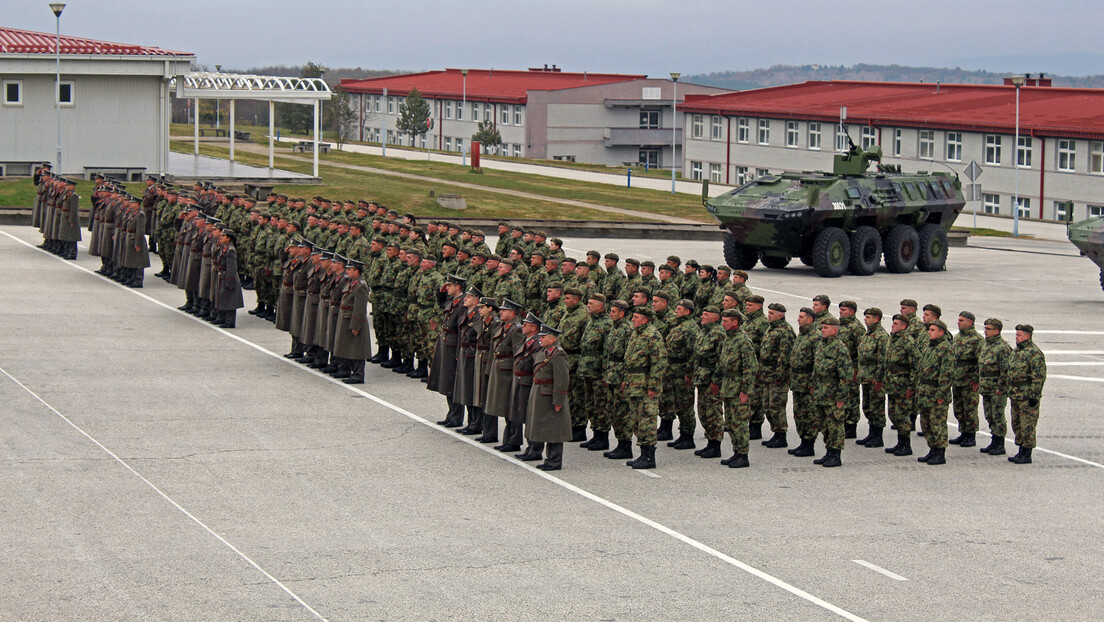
x=232 y=86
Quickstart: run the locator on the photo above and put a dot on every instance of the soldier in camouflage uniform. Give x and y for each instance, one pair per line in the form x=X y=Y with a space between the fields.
x=424 y=310
x=935 y=373
x=382 y=303
x=755 y=327
x=589 y=372
x=668 y=282
x=871 y=366
x=851 y=332
x=899 y=380
x=739 y=285
x=554 y=308
x=572 y=324
x=613 y=375
x=689 y=280
x=508 y=285
x=833 y=371
x=1025 y=378
x=775 y=350
x=710 y=342
x=678 y=386
x=647 y=276
x=966 y=349
x=535 y=284
x=734 y=382
x=722 y=286
x=597 y=273
x=706 y=284
x=645 y=366
x=632 y=279
x=992 y=371
x=820 y=311
x=802 y=358
x=611 y=283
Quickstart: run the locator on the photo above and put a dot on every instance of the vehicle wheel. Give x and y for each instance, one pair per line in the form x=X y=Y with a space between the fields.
x=775 y=263
x=831 y=252
x=866 y=251
x=739 y=256
x=901 y=247
x=933 y=248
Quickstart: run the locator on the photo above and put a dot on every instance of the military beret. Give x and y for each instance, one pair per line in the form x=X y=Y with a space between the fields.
x=476 y=233
x=620 y=304
x=642 y=290
x=849 y=304
x=938 y=323
x=613 y=256
x=414 y=251
x=553 y=259
x=574 y=291
x=467 y=231
x=467 y=250
x=777 y=306
x=430 y=258
x=661 y=293
x=674 y=258
x=647 y=264
x=733 y=313
x=474 y=291
x=455 y=280
x=707 y=268
x=599 y=297
x=740 y=273
x=909 y=302
x=480 y=254
x=898 y=316
x=510 y=305
x=755 y=298
x=635 y=262
x=584 y=266
x=450 y=243
x=556 y=241
x=1027 y=328
x=506 y=262
x=503 y=223
x=687 y=303
x=731 y=294
x=994 y=322
x=540 y=234
x=594 y=254
x=537 y=253
x=692 y=262
x=873 y=312
x=555 y=285
x=830 y=321
x=667 y=267
x=531 y=318
x=644 y=310
x=546 y=330
x=934 y=309
x=494 y=257
x=968 y=315
x=821 y=298
x=724 y=269
x=569 y=260
x=380 y=239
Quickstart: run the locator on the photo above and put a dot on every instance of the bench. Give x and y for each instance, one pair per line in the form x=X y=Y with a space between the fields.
x=121 y=173
x=258 y=191
x=242 y=135
x=306 y=146
x=217 y=131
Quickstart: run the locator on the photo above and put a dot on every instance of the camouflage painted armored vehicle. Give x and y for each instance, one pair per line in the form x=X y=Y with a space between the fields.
x=1088 y=235
x=841 y=221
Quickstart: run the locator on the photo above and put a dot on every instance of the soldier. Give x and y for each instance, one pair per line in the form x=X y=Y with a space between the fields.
x=755 y=326
x=851 y=332
x=722 y=286
x=705 y=287
x=464 y=387
x=935 y=373
x=613 y=375
x=548 y=419
x=899 y=380
x=632 y=279
x=739 y=285
x=802 y=360
x=647 y=276
x=820 y=311
x=597 y=273
x=554 y=308
x=871 y=366
x=572 y=325
x=678 y=384
x=589 y=372
x=484 y=358
x=442 y=372
x=613 y=281
x=504 y=339
x=832 y=372
x=664 y=317
x=775 y=351
x=352 y=342
x=423 y=311
x=524 y=351
x=69 y=231
x=707 y=348
x=535 y=288
x=966 y=349
x=992 y=372
x=689 y=280
x=503 y=245
x=645 y=367
x=1026 y=376
x=734 y=383
x=229 y=298
x=668 y=282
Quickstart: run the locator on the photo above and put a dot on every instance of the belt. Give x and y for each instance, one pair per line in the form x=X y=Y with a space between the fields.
x=543 y=381
x=636 y=370
x=523 y=374
x=300 y=289
x=344 y=308
x=503 y=356
x=450 y=331
x=466 y=344
x=478 y=347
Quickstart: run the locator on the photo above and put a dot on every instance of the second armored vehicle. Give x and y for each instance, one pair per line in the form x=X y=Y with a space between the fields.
x=1088 y=235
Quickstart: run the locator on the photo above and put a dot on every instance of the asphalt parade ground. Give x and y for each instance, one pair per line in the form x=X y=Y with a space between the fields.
x=155 y=467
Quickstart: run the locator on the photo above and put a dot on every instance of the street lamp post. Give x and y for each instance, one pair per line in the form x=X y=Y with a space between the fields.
x=218 y=105
x=464 y=104
x=1017 y=81
x=674 y=125
x=57 y=8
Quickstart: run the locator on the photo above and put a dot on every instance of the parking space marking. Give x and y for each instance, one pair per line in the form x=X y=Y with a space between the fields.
x=1080 y=378
x=879 y=569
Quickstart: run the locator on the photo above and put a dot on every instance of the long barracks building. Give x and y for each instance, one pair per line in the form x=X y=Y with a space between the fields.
x=734 y=137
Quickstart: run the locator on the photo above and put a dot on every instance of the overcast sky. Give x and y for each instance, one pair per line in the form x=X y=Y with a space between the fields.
x=631 y=36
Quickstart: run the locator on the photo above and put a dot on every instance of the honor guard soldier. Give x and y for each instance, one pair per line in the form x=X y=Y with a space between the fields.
x=442 y=372
x=524 y=350
x=548 y=419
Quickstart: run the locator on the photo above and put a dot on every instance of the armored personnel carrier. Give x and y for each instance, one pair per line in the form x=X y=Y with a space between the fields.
x=843 y=221
x=1088 y=235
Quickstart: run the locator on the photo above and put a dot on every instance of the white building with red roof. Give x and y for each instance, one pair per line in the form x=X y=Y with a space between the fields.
x=734 y=137
x=114 y=101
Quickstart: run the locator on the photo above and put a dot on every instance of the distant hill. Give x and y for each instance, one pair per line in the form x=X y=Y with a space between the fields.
x=790 y=74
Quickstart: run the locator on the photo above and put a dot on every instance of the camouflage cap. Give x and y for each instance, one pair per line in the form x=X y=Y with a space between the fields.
x=968 y=315
x=909 y=302
x=537 y=253
x=666 y=267
x=692 y=262
x=620 y=304
x=777 y=306
x=724 y=269
x=687 y=304
x=994 y=322
x=938 y=323
x=934 y=309
x=830 y=321
x=569 y=260
x=755 y=298
x=662 y=294
x=712 y=309
x=873 y=312
x=733 y=313
x=613 y=256
x=506 y=262
x=707 y=267
x=644 y=310
x=849 y=304
x=599 y=297
x=899 y=317
x=674 y=258
x=573 y=291
x=1027 y=328
x=635 y=262
x=647 y=264
x=503 y=223
x=740 y=273
x=821 y=298
x=555 y=285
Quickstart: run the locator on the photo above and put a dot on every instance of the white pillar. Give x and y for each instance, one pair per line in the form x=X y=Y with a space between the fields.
x=316 y=103
x=195 y=117
x=231 y=130
x=271 y=130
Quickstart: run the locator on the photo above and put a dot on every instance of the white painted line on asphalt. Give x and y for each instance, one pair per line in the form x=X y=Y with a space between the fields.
x=648 y=473
x=1076 y=364
x=809 y=298
x=1061 y=352
x=559 y=482
x=1081 y=378
x=879 y=569
x=164 y=496
x=1069 y=332
x=1012 y=441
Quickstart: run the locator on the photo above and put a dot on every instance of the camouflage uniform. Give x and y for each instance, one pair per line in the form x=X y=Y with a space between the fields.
x=645 y=367
x=1026 y=375
x=934 y=372
x=710 y=343
x=871 y=362
x=613 y=376
x=510 y=286
x=589 y=373
x=735 y=373
x=993 y=366
x=573 y=324
x=774 y=370
x=802 y=357
x=425 y=308
x=833 y=371
x=851 y=333
x=966 y=347
x=678 y=396
x=756 y=328
x=899 y=380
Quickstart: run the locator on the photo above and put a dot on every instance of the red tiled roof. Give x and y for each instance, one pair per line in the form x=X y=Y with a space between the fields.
x=1044 y=111
x=16 y=41
x=495 y=85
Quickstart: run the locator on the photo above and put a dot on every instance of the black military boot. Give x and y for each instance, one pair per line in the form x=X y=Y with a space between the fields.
x=664 y=432
x=344 y=369
x=532 y=453
x=393 y=362
x=850 y=430
x=938 y=456
x=646 y=459
x=900 y=439
x=832 y=459
x=258 y=310
x=969 y=439
x=229 y=319
x=684 y=441
x=927 y=456
x=874 y=439
x=904 y=446
x=996 y=447
x=422 y=371
x=740 y=462
x=755 y=431
x=296 y=349
x=958 y=439
x=776 y=441
x=71 y=252
x=621 y=452
x=321 y=359
x=805 y=449
x=600 y=441
x=578 y=434
x=712 y=449
x=727 y=461
x=380 y=356
x=188 y=302
x=357 y=375
x=404 y=366
x=824 y=458
x=1024 y=457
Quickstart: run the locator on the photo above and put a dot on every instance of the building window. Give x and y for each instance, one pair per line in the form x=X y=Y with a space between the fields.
x=716 y=128
x=990 y=203
x=377 y=102
x=926 y=144
x=742 y=175
x=649 y=158
x=1096 y=157
x=460 y=145
x=761 y=172
x=697 y=126
x=65 y=94
x=814 y=136
x=992 y=149
x=448 y=110
x=1060 y=212
x=696 y=171
x=649 y=119
x=1024 y=207
x=390 y=105
x=517 y=115
x=448 y=143
x=869 y=137
x=505 y=120
x=841 y=138
x=791 y=134
x=764 y=131
x=1023 y=152
x=898 y=139
x=517 y=151
x=476 y=109
x=13 y=93
x=1067 y=155
x=954 y=146
x=390 y=137
x=1095 y=210
x=743 y=130
x=715 y=171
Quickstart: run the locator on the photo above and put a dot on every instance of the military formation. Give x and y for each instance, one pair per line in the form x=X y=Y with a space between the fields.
x=532 y=349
